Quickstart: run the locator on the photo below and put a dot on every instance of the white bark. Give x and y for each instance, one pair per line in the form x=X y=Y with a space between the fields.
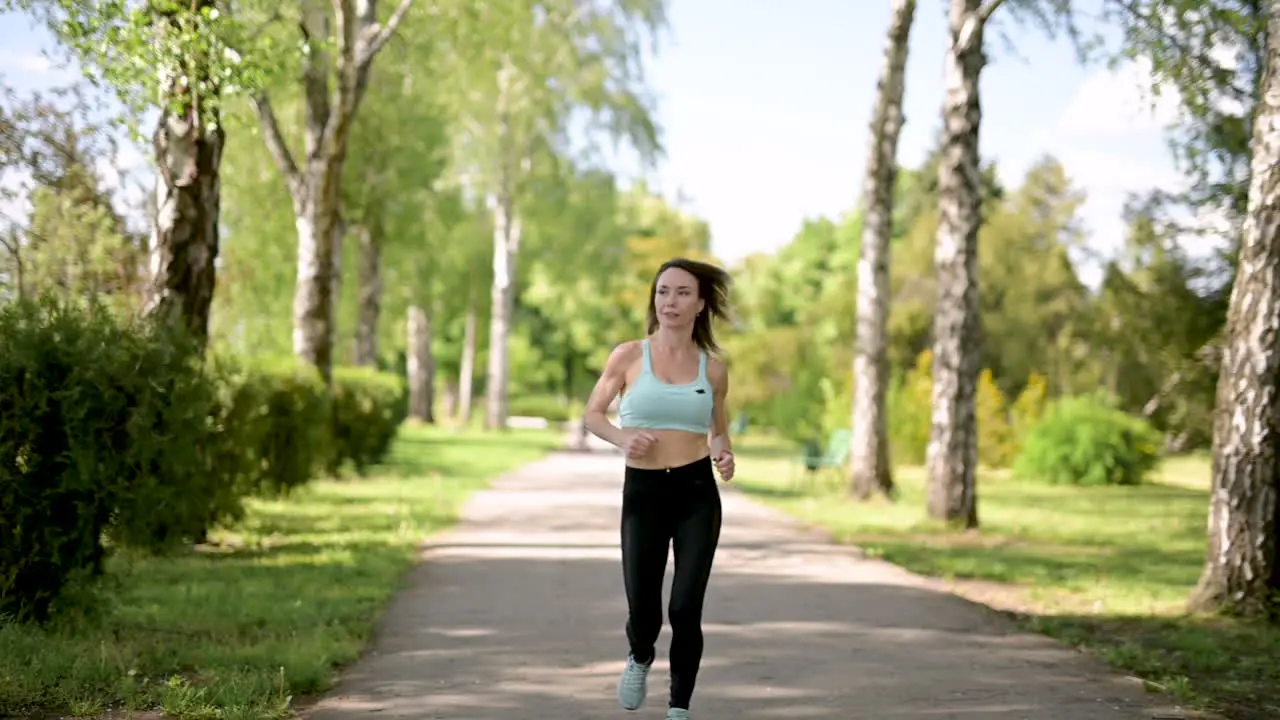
x=870 y=470
x=506 y=245
x=952 y=453
x=1242 y=564
x=466 y=367
x=315 y=184
x=421 y=365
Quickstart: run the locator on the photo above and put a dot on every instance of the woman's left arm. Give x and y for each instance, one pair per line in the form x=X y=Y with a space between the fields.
x=719 y=441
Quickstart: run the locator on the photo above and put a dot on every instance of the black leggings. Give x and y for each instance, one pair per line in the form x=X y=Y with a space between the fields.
x=677 y=507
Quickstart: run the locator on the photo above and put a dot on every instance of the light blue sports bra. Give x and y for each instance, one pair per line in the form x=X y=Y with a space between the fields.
x=655 y=405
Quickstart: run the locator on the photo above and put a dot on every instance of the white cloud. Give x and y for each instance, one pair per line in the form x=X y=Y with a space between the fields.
x=1099 y=170
x=1119 y=102
x=25 y=62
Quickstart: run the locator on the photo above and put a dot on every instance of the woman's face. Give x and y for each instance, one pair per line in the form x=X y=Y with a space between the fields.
x=675 y=299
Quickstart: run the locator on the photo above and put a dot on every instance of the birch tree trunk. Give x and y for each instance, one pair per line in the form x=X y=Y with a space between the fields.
x=370 y=294
x=952 y=453
x=1242 y=565
x=421 y=365
x=467 y=365
x=450 y=398
x=315 y=185
x=870 y=470
x=184 y=240
x=506 y=244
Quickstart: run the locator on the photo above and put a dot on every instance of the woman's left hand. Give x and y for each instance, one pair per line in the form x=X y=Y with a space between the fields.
x=724 y=463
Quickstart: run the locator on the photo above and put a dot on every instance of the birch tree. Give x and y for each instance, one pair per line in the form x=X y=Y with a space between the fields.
x=399 y=151
x=520 y=79
x=338 y=51
x=952 y=454
x=870 y=470
x=1242 y=564
x=178 y=58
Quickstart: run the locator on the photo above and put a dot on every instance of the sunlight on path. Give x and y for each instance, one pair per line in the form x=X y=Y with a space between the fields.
x=518 y=613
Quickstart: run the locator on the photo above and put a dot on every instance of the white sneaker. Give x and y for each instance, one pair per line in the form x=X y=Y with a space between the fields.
x=633 y=684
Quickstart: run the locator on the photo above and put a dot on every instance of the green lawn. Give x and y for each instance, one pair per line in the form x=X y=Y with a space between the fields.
x=267 y=614
x=1107 y=569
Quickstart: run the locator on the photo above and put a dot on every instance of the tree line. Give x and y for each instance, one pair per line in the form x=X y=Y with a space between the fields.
x=1196 y=339
x=348 y=176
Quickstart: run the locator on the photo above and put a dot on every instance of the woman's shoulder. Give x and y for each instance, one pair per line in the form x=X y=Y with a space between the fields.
x=626 y=352
x=716 y=367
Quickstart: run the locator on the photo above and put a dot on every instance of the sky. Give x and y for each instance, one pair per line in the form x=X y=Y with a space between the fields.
x=764 y=113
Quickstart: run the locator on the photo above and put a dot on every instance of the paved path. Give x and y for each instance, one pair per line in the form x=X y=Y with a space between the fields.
x=517 y=614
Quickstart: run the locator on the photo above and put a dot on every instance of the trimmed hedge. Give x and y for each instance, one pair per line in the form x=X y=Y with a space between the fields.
x=103 y=433
x=273 y=418
x=116 y=433
x=369 y=406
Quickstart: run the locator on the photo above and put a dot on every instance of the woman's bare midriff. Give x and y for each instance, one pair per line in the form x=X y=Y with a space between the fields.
x=673 y=449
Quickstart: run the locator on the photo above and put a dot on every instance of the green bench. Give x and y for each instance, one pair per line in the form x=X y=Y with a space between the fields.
x=814 y=458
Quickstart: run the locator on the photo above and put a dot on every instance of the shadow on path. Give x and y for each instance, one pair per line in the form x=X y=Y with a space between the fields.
x=518 y=614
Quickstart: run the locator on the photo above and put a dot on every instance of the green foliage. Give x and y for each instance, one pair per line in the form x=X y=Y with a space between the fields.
x=910 y=404
x=273 y=423
x=103 y=432
x=995 y=435
x=1084 y=441
x=1210 y=57
x=368 y=408
x=551 y=407
x=837 y=396
x=115 y=433
x=1028 y=408
x=141 y=49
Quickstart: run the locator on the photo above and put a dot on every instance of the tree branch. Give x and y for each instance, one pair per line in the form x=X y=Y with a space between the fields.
x=346 y=32
x=349 y=18
x=975 y=23
x=276 y=143
x=314 y=26
x=1150 y=22
x=985 y=12
x=374 y=36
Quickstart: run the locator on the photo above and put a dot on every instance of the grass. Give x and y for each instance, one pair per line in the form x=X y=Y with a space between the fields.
x=1107 y=569
x=271 y=609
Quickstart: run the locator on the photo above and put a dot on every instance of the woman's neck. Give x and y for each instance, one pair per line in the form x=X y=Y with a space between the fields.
x=675 y=340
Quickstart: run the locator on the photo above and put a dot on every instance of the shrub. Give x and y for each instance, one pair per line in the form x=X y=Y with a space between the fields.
x=996 y=442
x=549 y=407
x=272 y=424
x=103 y=429
x=117 y=433
x=368 y=409
x=1028 y=408
x=910 y=405
x=1083 y=441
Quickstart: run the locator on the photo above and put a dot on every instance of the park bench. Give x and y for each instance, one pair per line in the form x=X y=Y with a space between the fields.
x=814 y=459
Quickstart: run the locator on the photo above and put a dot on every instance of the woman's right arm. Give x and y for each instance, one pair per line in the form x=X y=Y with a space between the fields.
x=607 y=388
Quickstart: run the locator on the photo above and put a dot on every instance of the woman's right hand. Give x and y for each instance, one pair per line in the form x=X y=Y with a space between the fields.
x=638 y=443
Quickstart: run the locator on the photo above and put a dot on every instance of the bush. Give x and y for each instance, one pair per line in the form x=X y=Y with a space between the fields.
x=117 y=434
x=272 y=424
x=996 y=441
x=1083 y=441
x=368 y=408
x=103 y=432
x=550 y=407
x=910 y=404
